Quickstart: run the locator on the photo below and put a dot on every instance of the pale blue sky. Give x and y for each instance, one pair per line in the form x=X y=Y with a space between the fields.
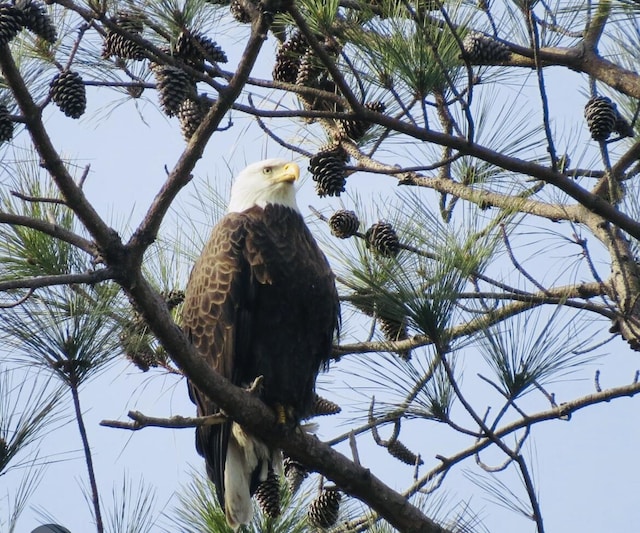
x=585 y=470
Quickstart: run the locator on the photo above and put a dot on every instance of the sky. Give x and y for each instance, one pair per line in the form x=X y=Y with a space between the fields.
x=585 y=469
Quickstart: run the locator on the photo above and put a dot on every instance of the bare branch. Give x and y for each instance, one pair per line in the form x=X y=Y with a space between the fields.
x=175 y=422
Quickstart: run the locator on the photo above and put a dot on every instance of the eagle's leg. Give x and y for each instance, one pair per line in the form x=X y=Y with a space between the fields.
x=286 y=416
x=281 y=413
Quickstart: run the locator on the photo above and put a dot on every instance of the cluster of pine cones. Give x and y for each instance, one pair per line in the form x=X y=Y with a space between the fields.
x=176 y=88
x=323 y=510
x=25 y=14
x=381 y=237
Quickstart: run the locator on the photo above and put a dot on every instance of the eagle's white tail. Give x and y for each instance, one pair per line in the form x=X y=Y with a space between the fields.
x=244 y=454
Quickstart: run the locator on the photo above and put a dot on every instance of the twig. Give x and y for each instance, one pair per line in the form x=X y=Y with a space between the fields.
x=354 y=448
x=18 y=302
x=535 y=46
x=175 y=422
x=83 y=177
x=515 y=262
x=41 y=199
x=275 y=137
x=95 y=497
x=37 y=282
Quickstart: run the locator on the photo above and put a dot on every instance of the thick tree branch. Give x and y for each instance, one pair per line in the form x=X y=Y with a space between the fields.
x=253 y=415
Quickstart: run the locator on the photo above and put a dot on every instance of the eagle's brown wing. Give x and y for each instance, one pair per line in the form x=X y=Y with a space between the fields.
x=216 y=319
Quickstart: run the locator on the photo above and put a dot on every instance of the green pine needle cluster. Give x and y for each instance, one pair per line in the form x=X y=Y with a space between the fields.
x=27 y=410
x=535 y=349
x=198 y=511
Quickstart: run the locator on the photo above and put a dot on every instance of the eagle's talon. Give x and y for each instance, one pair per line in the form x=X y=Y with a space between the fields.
x=255 y=388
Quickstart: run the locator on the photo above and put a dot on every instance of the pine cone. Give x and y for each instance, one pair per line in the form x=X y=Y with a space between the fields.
x=404 y=454
x=288 y=58
x=601 y=115
x=309 y=68
x=295 y=473
x=383 y=239
x=36 y=19
x=268 y=495
x=137 y=349
x=395 y=330
x=6 y=124
x=322 y=407
x=323 y=511
x=239 y=12
x=344 y=224
x=11 y=22
x=477 y=46
x=328 y=170
x=118 y=45
x=355 y=129
x=195 y=48
x=68 y=92
x=190 y=113
x=174 y=86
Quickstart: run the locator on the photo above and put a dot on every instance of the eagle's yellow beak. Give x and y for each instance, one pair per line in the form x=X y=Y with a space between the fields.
x=288 y=173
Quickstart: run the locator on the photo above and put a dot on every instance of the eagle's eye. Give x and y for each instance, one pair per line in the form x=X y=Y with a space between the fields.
x=267 y=170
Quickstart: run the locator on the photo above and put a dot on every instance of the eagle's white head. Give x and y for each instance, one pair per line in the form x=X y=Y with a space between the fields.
x=266 y=182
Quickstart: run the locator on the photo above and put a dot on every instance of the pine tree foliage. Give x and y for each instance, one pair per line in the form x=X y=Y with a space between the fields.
x=133 y=509
x=476 y=297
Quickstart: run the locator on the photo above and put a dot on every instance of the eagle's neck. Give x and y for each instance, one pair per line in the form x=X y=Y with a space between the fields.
x=241 y=200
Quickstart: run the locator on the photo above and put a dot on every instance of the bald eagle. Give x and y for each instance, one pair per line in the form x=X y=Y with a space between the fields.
x=261 y=301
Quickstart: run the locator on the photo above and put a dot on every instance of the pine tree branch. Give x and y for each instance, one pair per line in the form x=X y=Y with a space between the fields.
x=53 y=230
x=37 y=282
x=522 y=302
x=141 y=421
x=559 y=412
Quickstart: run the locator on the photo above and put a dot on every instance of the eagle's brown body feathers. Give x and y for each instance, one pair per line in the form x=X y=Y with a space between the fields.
x=261 y=301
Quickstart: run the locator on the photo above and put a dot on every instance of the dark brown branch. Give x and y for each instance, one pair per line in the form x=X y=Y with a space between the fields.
x=38 y=199
x=48 y=228
x=38 y=282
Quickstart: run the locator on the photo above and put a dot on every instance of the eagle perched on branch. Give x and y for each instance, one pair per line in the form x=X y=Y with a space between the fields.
x=261 y=301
